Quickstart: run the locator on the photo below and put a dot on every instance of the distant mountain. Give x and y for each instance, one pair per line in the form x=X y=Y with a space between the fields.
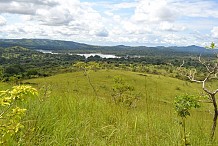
x=45 y=44
x=58 y=45
x=193 y=48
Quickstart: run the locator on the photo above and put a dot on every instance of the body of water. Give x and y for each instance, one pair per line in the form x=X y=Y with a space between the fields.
x=47 y=51
x=85 y=54
x=98 y=54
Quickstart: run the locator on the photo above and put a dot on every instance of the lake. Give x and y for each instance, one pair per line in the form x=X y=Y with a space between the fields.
x=47 y=51
x=99 y=54
x=86 y=55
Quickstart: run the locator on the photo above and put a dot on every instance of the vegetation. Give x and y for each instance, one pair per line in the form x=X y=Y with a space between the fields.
x=134 y=105
x=68 y=113
x=11 y=113
x=183 y=105
x=120 y=50
x=210 y=74
x=17 y=63
x=124 y=93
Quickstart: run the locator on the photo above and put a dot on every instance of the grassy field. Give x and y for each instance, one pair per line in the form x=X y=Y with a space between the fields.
x=68 y=112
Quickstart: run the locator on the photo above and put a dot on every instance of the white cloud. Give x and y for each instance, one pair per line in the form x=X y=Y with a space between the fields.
x=173 y=39
x=134 y=28
x=171 y=10
x=60 y=13
x=167 y=26
x=25 y=18
x=198 y=8
x=25 y=6
x=214 y=32
x=124 y=5
x=2 y=21
x=17 y=8
x=154 y=10
x=42 y=2
x=138 y=21
x=108 y=13
x=54 y=16
x=99 y=32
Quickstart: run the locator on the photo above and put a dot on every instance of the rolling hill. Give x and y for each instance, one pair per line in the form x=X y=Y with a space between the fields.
x=59 y=45
x=67 y=112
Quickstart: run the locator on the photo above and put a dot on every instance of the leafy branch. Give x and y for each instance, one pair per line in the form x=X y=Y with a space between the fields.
x=183 y=104
x=10 y=113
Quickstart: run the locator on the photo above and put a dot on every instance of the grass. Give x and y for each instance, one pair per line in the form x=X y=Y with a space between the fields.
x=67 y=112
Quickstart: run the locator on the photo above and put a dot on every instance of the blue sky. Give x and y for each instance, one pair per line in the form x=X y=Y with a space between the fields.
x=112 y=22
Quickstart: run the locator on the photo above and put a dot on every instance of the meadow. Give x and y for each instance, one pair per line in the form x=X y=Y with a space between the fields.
x=68 y=112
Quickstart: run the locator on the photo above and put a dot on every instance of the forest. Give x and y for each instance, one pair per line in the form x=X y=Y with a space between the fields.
x=23 y=63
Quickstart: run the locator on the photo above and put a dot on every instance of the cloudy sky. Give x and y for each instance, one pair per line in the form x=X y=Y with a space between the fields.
x=112 y=22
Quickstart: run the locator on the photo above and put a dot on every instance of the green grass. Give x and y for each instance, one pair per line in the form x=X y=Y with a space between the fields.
x=67 y=112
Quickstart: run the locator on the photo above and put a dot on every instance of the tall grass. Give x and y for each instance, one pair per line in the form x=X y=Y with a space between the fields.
x=69 y=113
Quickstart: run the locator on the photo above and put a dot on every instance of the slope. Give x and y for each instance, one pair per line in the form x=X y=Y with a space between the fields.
x=68 y=112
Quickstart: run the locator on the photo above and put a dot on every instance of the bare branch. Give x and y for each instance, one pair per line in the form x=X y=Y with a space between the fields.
x=183 y=62
x=215 y=76
x=203 y=63
x=193 y=80
x=192 y=73
x=215 y=92
x=204 y=88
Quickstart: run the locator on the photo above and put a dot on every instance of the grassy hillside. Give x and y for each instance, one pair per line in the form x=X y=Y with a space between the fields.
x=68 y=112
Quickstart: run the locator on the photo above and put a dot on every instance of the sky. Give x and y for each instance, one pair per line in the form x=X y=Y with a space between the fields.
x=112 y=22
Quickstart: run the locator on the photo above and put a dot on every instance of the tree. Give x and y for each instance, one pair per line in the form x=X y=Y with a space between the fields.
x=183 y=105
x=86 y=67
x=211 y=74
x=1 y=73
x=14 y=70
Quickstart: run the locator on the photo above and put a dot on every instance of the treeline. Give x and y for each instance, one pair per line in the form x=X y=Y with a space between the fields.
x=18 y=62
x=21 y=63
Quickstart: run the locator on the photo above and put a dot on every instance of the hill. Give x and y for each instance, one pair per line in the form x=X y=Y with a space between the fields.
x=68 y=112
x=45 y=44
x=58 y=45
